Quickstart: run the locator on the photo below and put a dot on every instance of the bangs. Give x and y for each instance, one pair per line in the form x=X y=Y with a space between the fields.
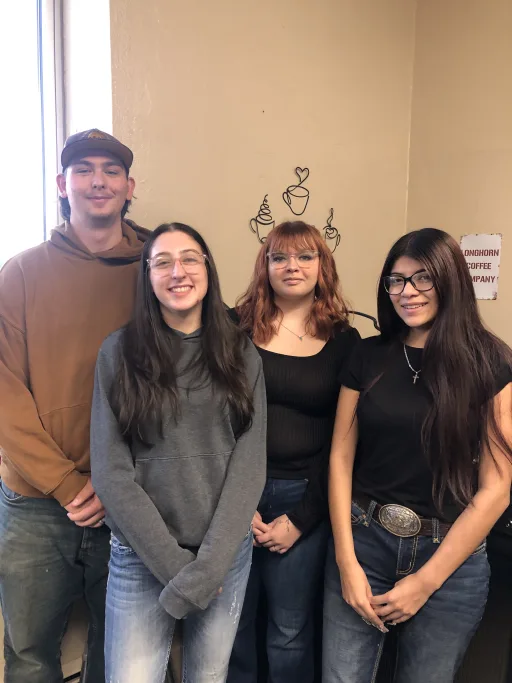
x=291 y=242
x=257 y=309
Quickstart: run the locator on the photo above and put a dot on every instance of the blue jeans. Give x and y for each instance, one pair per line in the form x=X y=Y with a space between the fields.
x=139 y=631
x=46 y=563
x=291 y=582
x=431 y=644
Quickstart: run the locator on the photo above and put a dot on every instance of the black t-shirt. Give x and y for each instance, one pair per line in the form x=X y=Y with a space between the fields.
x=302 y=394
x=390 y=465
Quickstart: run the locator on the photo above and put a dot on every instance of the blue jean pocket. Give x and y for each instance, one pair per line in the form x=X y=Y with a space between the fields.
x=481 y=548
x=9 y=494
x=357 y=514
x=119 y=548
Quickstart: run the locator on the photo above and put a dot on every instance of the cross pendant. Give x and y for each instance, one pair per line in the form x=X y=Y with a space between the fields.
x=416 y=376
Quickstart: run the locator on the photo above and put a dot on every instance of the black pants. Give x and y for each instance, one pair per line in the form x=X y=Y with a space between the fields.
x=488 y=659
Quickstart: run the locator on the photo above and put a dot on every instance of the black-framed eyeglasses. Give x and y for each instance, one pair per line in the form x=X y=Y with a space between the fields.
x=395 y=284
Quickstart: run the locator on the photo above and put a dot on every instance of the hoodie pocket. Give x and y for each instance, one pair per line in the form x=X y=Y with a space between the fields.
x=185 y=491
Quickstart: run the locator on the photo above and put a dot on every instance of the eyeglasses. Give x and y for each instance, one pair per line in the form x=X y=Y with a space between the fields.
x=190 y=261
x=395 y=284
x=304 y=259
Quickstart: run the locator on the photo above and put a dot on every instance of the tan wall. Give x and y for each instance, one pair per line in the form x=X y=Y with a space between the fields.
x=461 y=133
x=221 y=101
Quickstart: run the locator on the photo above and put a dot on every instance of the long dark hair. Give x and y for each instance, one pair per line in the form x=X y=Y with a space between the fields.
x=460 y=366
x=146 y=383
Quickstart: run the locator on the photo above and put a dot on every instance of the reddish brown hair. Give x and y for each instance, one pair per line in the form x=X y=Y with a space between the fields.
x=257 y=309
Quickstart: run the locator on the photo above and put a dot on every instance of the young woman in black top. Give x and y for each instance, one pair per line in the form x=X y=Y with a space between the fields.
x=296 y=316
x=422 y=448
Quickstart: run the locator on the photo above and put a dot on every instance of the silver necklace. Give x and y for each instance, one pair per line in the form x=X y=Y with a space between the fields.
x=300 y=337
x=416 y=372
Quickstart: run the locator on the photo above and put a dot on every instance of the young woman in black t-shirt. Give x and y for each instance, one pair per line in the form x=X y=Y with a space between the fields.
x=296 y=317
x=422 y=448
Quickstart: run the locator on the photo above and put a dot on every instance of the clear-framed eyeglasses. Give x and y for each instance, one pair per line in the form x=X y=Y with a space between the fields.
x=395 y=284
x=191 y=262
x=304 y=259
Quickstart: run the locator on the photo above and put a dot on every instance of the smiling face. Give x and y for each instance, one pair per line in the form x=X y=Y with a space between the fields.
x=97 y=187
x=179 y=277
x=417 y=309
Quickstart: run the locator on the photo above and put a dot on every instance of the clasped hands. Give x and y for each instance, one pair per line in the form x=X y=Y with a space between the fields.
x=278 y=536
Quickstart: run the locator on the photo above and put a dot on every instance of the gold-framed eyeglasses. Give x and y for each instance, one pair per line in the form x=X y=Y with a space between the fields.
x=191 y=262
x=304 y=259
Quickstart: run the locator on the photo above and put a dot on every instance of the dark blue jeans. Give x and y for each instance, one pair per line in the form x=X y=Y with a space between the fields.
x=291 y=583
x=46 y=563
x=431 y=644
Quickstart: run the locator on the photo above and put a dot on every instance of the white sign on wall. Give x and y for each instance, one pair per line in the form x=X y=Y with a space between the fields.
x=482 y=254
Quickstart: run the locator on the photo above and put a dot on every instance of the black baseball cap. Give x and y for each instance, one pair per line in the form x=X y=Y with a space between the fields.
x=95 y=140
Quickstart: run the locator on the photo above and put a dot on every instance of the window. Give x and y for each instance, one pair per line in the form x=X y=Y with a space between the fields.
x=29 y=52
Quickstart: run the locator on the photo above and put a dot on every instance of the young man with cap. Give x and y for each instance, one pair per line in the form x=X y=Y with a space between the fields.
x=58 y=302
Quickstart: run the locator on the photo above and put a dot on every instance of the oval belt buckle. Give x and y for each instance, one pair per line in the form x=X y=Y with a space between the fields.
x=399 y=520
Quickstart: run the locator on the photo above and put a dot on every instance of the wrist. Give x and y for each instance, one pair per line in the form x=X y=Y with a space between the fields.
x=429 y=579
x=346 y=565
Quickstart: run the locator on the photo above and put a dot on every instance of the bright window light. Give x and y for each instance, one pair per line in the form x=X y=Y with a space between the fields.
x=21 y=170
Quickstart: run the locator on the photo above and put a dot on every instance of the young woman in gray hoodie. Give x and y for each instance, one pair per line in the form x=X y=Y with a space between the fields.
x=178 y=460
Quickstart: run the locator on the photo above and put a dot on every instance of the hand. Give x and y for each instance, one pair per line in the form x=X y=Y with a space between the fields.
x=357 y=593
x=281 y=535
x=86 y=508
x=403 y=601
x=258 y=527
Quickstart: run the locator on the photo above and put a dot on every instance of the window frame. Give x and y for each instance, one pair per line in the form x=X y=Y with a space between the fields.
x=51 y=88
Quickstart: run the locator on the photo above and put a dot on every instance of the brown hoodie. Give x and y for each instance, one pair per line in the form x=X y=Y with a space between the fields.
x=58 y=302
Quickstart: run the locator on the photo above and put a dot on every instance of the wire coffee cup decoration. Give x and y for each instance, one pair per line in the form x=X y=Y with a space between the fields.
x=296 y=196
x=263 y=223
x=331 y=235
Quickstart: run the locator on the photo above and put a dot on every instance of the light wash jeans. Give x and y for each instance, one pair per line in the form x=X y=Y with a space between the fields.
x=139 y=631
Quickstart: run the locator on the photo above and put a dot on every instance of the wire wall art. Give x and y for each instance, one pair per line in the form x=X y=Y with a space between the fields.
x=296 y=196
x=263 y=222
x=331 y=235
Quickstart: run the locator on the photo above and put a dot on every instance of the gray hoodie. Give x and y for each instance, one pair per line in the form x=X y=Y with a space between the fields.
x=197 y=488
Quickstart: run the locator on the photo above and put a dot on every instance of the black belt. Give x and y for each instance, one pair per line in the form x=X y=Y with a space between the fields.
x=402 y=521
